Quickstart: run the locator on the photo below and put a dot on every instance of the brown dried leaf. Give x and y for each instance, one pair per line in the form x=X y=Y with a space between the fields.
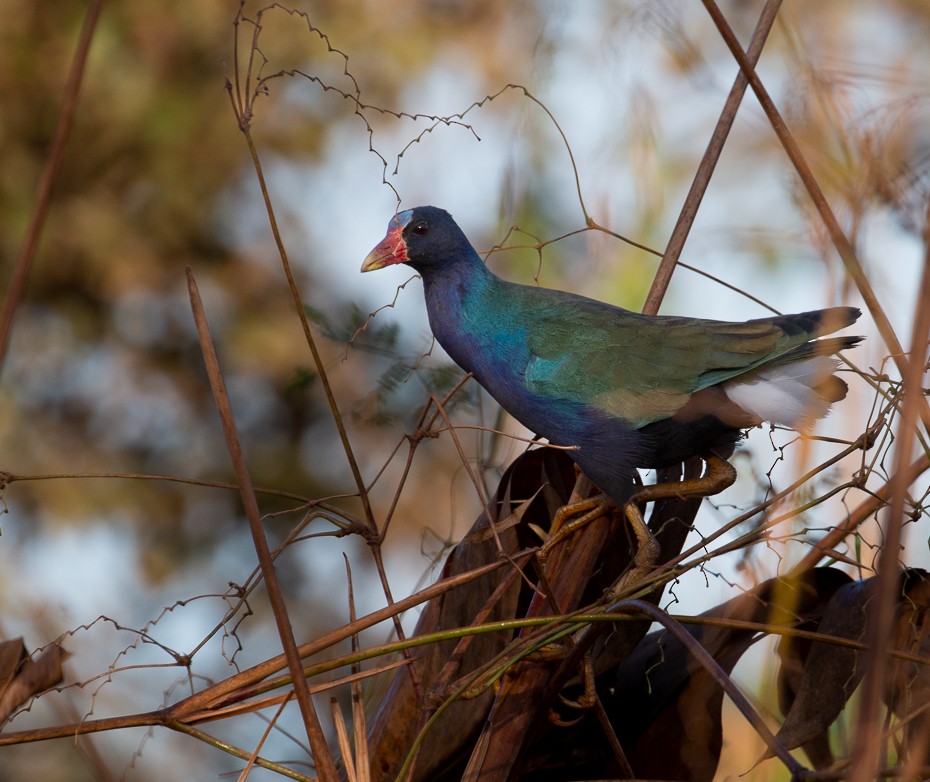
x=663 y=706
x=524 y=692
x=12 y=654
x=529 y=495
x=818 y=678
x=530 y=491
x=908 y=691
x=22 y=677
x=578 y=571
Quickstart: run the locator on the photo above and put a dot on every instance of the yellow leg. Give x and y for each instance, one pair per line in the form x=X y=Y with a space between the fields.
x=720 y=474
x=575 y=515
x=572 y=517
x=587 y=700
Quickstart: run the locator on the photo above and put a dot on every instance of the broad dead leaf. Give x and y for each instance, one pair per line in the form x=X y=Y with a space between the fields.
x=22 y=677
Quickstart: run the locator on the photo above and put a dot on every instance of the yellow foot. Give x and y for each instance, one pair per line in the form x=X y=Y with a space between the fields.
x=587 y=700
x=647 y=552
x=720 y=474
x=572 y=517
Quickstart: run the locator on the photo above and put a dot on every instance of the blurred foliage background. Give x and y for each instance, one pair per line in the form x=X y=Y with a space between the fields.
x=104 y=374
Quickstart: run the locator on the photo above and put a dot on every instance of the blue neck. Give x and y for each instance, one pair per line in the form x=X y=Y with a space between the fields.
x=471 y=315
x=482 y=322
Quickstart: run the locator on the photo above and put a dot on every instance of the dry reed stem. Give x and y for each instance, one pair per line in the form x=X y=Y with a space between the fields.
x=869 y=738
x=676 y=242
x=17 y=284
x=325 y=764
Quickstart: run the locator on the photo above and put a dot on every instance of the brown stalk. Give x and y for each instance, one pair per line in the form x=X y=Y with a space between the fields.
x=253 y=699
x=278 y=768
x=359 y=720
x=229 y=690
x=325 y=764
x=7 y=478
x=17 y=286
x=705 y=170
x=842 y=244
x=221 y=692
x=253 y=759
x=868 y=740
x=308 y=336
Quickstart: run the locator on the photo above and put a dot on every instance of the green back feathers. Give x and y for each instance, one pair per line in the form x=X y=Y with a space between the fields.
x=644 y=368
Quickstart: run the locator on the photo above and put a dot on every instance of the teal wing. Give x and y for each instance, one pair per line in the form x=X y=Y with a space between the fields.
x=642 y=368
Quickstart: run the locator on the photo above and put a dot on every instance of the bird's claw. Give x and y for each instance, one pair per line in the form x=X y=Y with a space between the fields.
x=719 y=475
x=586 y=701
x=563 y=524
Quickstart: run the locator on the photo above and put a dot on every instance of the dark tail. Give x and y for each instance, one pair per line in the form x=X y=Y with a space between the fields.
x=816 y=323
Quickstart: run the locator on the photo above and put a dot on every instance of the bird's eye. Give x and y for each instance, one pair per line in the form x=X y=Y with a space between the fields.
x=421 y=228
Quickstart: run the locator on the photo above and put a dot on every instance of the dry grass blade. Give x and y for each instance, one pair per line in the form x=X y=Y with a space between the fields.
x=360 y=758
x=342 y=738
x=249 y=757
x=253 y=759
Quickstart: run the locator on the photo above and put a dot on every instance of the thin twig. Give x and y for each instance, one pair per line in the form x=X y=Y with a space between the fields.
x=242 y=109
x=8 y=478
x=220 y=691
x=253 y=759
x=311 y=341
x=206 y=738
x=864 y=510
x=862 y=443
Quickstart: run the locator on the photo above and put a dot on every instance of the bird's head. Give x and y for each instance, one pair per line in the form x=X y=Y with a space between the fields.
x=424 y=237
